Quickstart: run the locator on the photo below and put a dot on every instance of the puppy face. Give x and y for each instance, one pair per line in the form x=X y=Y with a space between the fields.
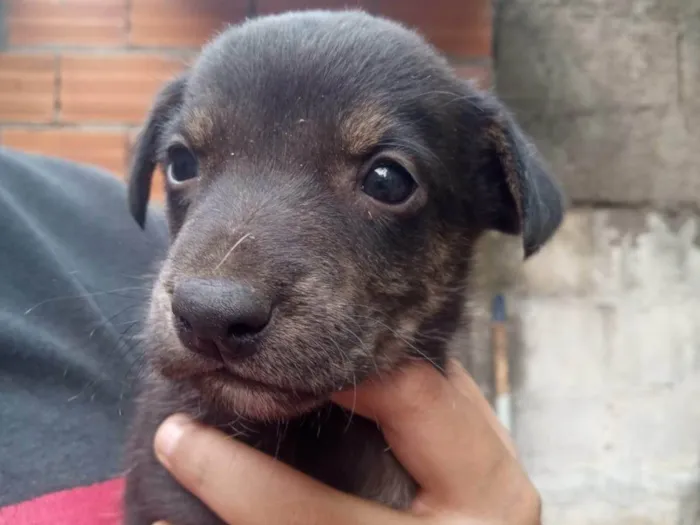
x=327 y=175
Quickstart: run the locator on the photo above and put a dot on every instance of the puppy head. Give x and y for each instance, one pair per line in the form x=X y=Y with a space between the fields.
x=327 y=175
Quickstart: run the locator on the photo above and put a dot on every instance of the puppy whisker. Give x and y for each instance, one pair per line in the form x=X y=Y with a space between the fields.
x=354 y=402
x=83 y=296
x=228 y=253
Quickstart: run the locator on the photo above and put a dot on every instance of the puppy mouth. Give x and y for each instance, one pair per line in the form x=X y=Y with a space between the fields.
x=235 y=379
x=210 y=374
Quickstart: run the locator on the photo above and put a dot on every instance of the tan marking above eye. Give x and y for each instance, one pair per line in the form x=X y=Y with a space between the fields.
x=198 y=125
x=363 y=128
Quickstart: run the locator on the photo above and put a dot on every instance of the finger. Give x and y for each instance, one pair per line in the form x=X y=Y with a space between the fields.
x=462 y=381
x=441 y=436
x=240 y=483
x=465 y=384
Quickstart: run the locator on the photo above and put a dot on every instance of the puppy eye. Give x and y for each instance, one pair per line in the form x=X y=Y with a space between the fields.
x=388 y=182
x=182 y=165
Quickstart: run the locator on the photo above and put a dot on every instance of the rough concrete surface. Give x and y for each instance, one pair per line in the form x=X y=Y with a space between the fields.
x=606 y=319
x=610 y=91
x=606 y=367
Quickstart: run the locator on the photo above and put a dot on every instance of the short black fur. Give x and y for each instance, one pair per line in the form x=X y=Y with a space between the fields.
x=285 y=114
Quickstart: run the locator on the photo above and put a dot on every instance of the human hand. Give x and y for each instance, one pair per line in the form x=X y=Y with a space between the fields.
x=442 y=430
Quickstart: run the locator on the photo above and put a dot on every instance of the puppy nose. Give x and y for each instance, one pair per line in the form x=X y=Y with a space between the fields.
x=217 y=317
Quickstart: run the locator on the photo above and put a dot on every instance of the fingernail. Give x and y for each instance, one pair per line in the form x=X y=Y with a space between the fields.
x=169 y=434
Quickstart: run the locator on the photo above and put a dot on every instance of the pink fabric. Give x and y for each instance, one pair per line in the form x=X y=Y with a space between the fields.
x=98 y=504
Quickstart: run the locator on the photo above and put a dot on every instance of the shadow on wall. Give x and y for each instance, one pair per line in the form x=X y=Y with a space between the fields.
x=610 y=90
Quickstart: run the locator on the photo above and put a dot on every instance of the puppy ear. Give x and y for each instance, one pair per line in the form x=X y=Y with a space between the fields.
x=144 y=158
x=524 y=199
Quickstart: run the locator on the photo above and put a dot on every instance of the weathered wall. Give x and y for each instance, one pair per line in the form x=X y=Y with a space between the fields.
x=608 y=382
x=612 y=90
x=607 y=317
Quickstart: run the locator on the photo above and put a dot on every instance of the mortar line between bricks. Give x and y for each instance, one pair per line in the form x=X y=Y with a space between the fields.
x=57 y=89
x=88 y=127
x=251 y=8
x=4 y=30
x=105 y=51
x=128 y=9
x=372 y=7
x=126 y=143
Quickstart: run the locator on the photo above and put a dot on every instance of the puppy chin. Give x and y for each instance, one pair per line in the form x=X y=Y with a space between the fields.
x=255 y=404
x=217 y=388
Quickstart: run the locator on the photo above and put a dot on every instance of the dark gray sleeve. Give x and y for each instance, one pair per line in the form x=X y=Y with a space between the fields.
x=75 y=272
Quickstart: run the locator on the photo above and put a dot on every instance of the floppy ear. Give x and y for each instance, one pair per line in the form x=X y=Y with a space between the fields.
x=144 y=158
x=525 y=198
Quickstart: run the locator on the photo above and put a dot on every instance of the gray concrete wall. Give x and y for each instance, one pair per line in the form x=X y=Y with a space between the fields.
x=610 y=89
x=607 y=317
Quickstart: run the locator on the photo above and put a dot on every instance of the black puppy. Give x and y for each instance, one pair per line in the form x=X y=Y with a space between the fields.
x=327 y=176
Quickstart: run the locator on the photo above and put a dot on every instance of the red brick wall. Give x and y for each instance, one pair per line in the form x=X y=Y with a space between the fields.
x=77 y=76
